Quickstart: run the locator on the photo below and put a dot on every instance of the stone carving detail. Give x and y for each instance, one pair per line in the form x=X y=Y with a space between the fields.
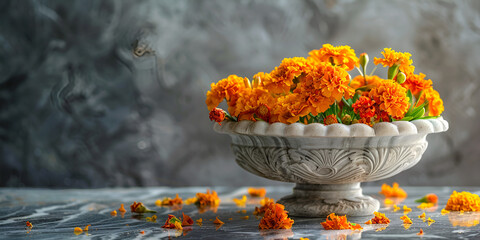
x=327 y=166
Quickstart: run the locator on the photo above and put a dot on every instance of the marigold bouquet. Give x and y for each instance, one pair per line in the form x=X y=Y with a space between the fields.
x=319 y=89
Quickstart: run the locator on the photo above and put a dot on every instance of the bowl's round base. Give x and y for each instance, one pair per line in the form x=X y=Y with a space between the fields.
x=319 y=200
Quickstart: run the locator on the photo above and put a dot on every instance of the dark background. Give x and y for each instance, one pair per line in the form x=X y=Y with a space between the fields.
x=111 y=93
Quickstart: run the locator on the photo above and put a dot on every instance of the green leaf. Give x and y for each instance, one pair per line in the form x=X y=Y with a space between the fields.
x=418 y=113
x=429 y=117
x=410 y=96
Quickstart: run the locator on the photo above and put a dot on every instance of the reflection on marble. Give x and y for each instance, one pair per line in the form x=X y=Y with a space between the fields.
x=55 y=213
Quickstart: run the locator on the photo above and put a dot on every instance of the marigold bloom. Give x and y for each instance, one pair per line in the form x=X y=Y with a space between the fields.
x=330 y=119
x=240 y=202
x=250 y=100
x=435 y=103
x=365 y=107
x=361 y=81
x=275 y=217
x=264 y=202
x=379 y=218
x=227 y=89
x=140 y=208
x=334 y=222
x=342 y=56
x=463 y=201
x=401 y=59
x=217 y=115
x=207 y=199
x=257 y=192
x=406 y=219
x=289 y=109
x=281 y=79
x=417 y=83
x=391 y=97
x=394 y=191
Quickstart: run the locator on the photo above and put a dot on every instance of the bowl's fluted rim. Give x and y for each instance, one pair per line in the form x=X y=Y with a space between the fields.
x=261 y=128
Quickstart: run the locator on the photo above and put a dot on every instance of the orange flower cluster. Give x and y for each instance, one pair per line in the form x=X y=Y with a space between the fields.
x=311 y=90
x=334 y=222
x=463 y=201
x=264 y=202
x=140 y=208
x=275 y=217
x=209 y=199
x=393 y=191
x=379 y=218
x=169 y=201
x=257 y=192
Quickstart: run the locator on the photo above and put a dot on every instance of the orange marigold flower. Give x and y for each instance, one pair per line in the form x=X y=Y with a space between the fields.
x=330 y=119
x=217 y=115
x=226 y=88
x=421 y=232
x=29 y=224
x=257 y=192
x=379 y=218
x=282 y=78
x=264 y=202
x=463 y=201
x=393 y=191
x=77 y=230
x=361 y=81
x=251 y=102
x=401 y=59
x=417 y=83
x=365 y=107
x=140 y=208
x=342 y=56
x=332 y=81
x=289 y=109
x=275 y=217
x=207 y=199
x=391 y=97
x=169 y=201
x=435 y=103
x=429 y=198
x=187 y=220
x=334 y=222
x=406 y=219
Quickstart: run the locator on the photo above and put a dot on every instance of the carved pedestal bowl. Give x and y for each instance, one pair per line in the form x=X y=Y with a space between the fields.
x=328 y=163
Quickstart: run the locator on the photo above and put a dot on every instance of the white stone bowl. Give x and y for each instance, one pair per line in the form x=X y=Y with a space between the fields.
x=329 y=162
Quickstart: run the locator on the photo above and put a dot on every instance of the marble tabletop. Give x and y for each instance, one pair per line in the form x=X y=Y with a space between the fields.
x=55 y=213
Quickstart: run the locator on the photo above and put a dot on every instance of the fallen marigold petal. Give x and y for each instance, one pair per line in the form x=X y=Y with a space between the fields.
x=187 y=220
x=379 y=218
x=113 y=213
x=444 y=211
x=190 y=201
x=406 y=209
x=245 y=217
x=122 y=208
x=406 y=219
x=207 y=199
x=140 y=208
x=29 y=225
x=241 y=202
x=421 y=232
x=422 y=216
x=463 y=201
x=199 y=222
x=257 y=192
x=172 y=222
x=142 y=232
x=425 y=205
x=396 y=208
x=86 y=228
x=218 y=221
x=77 y=230
x=334 y=222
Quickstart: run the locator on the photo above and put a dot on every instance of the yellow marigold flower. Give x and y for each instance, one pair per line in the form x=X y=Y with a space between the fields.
x=392 y=98
x=226 y=88
x=240 y=202
x=417 y=83
x=207 y=199
x=435 y=103
x=342 y=56
x=391 y=58
x=359 y=81
x=281 y=79
x=379 y=218
x=463 y=201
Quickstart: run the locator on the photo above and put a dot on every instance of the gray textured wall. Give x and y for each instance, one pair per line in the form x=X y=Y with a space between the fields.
x=111 y=93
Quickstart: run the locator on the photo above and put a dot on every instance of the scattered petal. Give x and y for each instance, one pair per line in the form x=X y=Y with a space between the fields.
x=444 y=211
x=113 y=213
x=245 y=217
x=394 y=191
x=421 y=232
x=187 y=220
x=334 y=222
x=122 y=208
x=257 y=192
x=218 y=221
x=406 y=219
x=241 y=202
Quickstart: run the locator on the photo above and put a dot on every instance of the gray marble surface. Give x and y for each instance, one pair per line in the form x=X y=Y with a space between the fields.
x=55 y=213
